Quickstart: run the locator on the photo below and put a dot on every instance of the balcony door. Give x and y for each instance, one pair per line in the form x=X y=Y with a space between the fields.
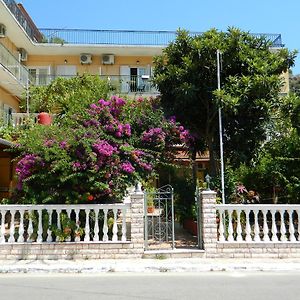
x=132 y=78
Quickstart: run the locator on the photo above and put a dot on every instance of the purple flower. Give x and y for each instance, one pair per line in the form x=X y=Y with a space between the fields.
x=102 y=102
x=25 y=167
x=63 y=144
x=93 y=106
x=154 y=135
x=172 y=119
x=120 y=102
x=48 y=143
x=145 y=166
x=103 y=148
x=76 y=166
x=127 y=167
x=127 y=129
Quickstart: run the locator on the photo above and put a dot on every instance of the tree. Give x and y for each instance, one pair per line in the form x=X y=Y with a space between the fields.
x=186 y=75
x=275 y=172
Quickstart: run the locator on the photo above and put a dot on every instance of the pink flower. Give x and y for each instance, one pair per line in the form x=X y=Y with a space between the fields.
x=127 y=167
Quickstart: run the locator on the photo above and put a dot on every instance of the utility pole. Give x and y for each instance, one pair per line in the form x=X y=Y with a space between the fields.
x=220 y=129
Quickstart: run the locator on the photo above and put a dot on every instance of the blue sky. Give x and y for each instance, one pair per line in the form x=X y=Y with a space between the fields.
x=256 y=16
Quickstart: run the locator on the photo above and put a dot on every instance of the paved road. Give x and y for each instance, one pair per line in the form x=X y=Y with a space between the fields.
x=119 y=286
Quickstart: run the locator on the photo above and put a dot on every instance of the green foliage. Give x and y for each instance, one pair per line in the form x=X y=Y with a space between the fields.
x=275 y=172
x=67 y=229
x=186 y=75
x=67 y=96
x=184 y=190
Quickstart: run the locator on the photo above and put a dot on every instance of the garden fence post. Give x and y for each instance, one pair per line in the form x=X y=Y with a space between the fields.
x=137 y=221
x=209 y=223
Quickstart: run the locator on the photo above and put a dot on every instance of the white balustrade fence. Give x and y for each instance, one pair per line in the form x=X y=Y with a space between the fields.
x=258 y=223
x=19 y=119
x=64 y=223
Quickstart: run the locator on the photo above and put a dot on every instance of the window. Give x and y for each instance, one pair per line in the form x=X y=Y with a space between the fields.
x=66 y=71
x=39 y=75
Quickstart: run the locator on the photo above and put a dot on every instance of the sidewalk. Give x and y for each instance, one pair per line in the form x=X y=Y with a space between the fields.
x=148 y=265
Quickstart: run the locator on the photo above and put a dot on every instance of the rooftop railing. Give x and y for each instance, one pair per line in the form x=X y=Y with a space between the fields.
x=125 y=37
x=23 y=20
x=109 y=37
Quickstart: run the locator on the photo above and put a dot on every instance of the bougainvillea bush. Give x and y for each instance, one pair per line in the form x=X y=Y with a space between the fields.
x=98 y=154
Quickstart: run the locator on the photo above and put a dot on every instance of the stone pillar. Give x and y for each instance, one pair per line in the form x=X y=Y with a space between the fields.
x=209 y=222
x=137 y=221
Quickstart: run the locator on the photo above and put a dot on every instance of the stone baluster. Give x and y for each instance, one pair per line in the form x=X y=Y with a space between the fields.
x=274 y=226
x=239 y=237
x=123 y=225
x=58 y=211
x=282 y=227
x=40 y=227
x=291 y=225
x=21 y=227
x=12 y=227
x=230 y=228
x=297 y=222
x=30 y=227
x=96 y=229
x=77 y=211
x=2 y=238
x=105 y=227
x=256 y=226
x=221 y=226
x=115 y=226
x=49 y=232
x=68 y=215
x=248 y=226
x=87 y=225
x=266 y=236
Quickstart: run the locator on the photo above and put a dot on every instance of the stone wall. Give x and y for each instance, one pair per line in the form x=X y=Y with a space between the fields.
x=215 y=249
x=86 y=250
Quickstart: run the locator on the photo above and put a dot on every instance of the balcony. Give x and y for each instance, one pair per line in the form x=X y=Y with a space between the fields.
x=13 y=75
x=119 y=84
x=125 y=37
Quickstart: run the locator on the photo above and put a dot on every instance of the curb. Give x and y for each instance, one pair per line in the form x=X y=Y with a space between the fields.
x=147 y=266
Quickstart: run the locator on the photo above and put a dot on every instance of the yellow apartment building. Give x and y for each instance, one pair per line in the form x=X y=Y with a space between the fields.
x=36 y=56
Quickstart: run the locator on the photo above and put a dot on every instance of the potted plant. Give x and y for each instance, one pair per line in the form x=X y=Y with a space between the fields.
x=150 y=203
x=68 y=227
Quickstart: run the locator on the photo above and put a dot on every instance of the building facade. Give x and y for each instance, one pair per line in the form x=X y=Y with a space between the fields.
x=36 y=56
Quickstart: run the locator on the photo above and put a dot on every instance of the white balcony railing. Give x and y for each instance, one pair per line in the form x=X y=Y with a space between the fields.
x=258 y=223
x=123 y=84
x=64 y=223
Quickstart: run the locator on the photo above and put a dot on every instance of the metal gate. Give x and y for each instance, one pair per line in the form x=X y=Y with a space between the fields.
x=159 y=219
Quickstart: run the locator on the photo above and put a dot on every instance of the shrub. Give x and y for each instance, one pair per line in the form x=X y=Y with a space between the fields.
x=97 y=155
